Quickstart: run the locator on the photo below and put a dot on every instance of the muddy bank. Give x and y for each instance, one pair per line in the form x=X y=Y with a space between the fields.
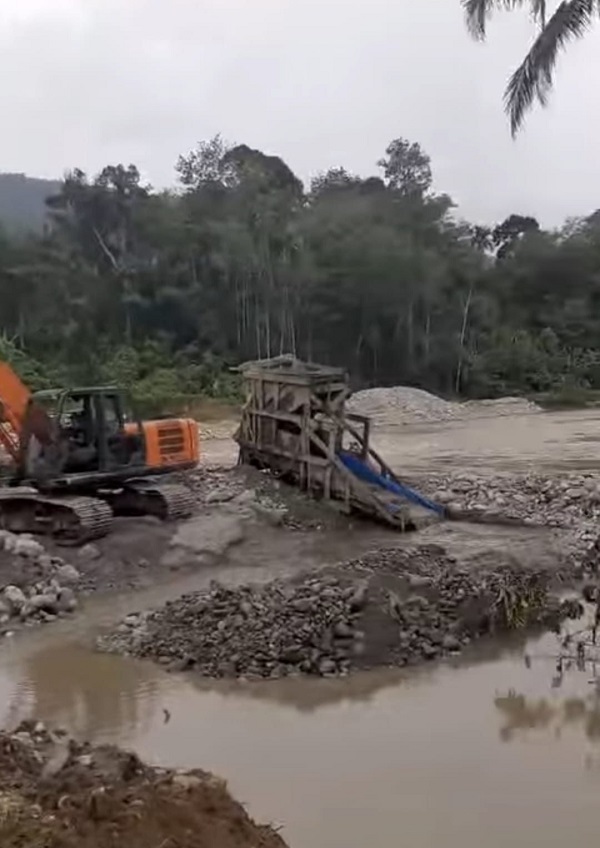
x=57 y=792
x=41 y=581
x=389 y=608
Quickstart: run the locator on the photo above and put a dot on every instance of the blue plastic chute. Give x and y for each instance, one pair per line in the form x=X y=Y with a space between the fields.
x=368 y=475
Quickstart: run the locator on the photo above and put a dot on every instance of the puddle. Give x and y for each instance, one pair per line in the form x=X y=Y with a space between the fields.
x=487 y=753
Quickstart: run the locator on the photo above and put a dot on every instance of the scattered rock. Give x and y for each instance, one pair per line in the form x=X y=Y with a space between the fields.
x=67 y=602
x=15 y=597
x=67 y=574
x=45 y=584
x=89 y=553
x=358 y=615
x=26 y=547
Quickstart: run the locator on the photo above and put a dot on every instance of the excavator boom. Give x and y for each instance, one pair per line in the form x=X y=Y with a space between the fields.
x=14 y=399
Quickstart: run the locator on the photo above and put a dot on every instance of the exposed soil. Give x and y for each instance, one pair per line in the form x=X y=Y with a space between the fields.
x=57 y=793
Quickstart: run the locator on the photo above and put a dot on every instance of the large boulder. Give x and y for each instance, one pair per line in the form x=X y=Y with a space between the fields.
x=15 y=597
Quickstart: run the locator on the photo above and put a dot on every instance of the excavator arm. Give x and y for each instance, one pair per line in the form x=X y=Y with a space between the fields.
x=20 y=416
x=14 y=400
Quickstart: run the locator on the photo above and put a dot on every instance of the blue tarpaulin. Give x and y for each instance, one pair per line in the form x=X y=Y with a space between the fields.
x=368 y=475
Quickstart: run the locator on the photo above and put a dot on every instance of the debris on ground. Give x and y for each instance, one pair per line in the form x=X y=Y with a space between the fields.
x=570 y=502
x=36 y=587
x=58 y=793
x=406 y=405
x=392 y=607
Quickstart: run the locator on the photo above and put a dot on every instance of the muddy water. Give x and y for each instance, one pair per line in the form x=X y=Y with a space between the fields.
x=486 y=753
x=549 y=440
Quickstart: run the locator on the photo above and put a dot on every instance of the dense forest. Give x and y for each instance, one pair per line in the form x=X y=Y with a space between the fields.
x=164 y=291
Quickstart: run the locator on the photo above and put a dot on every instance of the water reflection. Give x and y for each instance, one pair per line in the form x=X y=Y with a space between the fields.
x=88 y=693
x=300 y=753
x=520 y=713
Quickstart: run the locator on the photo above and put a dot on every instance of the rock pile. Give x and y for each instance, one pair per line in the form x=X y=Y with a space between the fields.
x=393 y=607
x=406 y=405
x=35 y=587
x=570 y=502
x=57 y=792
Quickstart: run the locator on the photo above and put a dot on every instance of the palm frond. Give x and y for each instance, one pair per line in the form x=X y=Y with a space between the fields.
x=478 y=12
x=533 y=78
x=538 y=11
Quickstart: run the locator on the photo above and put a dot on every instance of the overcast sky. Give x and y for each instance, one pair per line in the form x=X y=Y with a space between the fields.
x=319 y=82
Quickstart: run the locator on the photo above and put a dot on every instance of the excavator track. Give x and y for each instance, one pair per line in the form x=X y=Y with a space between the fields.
x=69 y=519
x=167 y=501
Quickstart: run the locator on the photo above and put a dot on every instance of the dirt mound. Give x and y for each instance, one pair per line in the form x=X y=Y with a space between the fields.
x=56 y=793
x=406 y=405
x=392 y=607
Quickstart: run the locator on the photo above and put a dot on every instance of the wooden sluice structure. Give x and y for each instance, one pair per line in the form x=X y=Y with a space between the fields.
x=295 y=423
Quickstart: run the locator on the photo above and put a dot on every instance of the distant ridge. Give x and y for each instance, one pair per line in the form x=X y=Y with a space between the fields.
x=23 y=201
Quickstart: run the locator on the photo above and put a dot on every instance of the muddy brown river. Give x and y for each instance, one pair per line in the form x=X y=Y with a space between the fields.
x=491 y=752
x=485 y=753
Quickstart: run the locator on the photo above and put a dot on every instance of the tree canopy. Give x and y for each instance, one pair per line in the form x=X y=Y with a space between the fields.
x=163 y=291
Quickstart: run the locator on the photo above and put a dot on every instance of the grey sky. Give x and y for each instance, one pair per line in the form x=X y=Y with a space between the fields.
x=318 y=82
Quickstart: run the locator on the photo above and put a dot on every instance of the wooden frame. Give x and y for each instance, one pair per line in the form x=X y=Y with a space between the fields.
x=294 y=422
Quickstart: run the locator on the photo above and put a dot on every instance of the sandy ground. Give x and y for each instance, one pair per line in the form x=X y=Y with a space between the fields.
x=546 y=443
x=223 y=538
x=558 y=441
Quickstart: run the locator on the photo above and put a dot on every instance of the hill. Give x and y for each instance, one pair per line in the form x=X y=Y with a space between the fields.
x=22 y=201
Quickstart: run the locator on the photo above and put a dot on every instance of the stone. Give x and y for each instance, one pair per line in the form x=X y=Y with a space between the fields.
x=46 y=602
x=67 y=601
x=302 y=604
x=89 y=552
x=15 y=597
x=6 y=609
x=327 y=666
x=343 y=630
x=28 y=548
x=67 y=574
x=450 y=643
x=187 y=781
x=45 y=562
x=8 y=541
x=417 y=581
x=359 y=598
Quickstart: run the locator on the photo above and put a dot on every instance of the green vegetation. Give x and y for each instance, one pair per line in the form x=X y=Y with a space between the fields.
x=164 y=292
x=566 y=21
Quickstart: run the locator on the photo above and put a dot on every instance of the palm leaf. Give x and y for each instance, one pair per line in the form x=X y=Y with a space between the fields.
x=478 y=12
x=533 y=78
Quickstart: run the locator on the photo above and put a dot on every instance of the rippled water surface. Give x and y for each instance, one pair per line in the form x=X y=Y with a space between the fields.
x=483 y=754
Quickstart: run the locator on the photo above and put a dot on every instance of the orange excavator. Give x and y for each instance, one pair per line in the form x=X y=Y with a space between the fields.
x=76 y=459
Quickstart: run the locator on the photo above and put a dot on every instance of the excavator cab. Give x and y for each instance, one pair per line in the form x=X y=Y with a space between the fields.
x=87 y=434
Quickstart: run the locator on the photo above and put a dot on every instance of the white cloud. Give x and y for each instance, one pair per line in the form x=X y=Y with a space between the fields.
x=87 y=82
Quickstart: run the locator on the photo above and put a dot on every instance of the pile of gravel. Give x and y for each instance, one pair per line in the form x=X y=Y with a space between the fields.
x=570 y=502
x=392 y=607
x=406 y=405
x=35 y=587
